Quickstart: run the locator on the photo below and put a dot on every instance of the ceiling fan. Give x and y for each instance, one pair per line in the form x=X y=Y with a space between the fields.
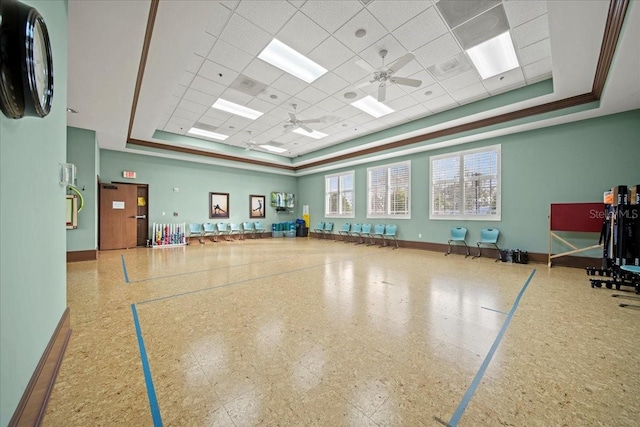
x=250 y=143
x=384 y=76
x=295 y=123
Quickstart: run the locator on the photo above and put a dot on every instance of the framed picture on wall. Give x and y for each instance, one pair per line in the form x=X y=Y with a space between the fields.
x=218 y=205
x=256 y=206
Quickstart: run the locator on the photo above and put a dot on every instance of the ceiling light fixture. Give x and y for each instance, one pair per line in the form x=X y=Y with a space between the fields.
x=207 y=134
x=273 y=149
x=291 y=61
x=361 y=33
x=350 y=95
x=238 y=110
x=494 y=56
x=372 y=107
x=315 y=134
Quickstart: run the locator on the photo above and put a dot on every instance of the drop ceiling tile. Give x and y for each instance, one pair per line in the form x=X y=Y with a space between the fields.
x=204 y=45
x=289 y=84
x=330 y=83
x=211 y=121
x=330 y=104
x=186 y=124
x=437 y=51
x=331 y=15
x=363 y=20
x=292 y=34
x=423 y=95
x=217 y=114
x=351 y=72
x=273 y=96
x=297 y=3
x=175 y=128
x=207 y=86
x=483 y=27
x=311 y=95
x=531 y=32
x=200 y=97
x=424 y=77
x=262 y=72
x=470 y=93
x=272 y=133
x=193 y=106
x=232 y=57
x=219 y=18
x=331 y=53
x=194 y=63
x=238 y=122
x=460 y=81
x=392 y=119
x=186 y=114
x=393 y=14
x=421 y=30
x=179 y=90
x=347 y=112
x=505 y=81
x=231 y=4
x=441 y=103
x=245 y=36
x=171 y=104
x=402 y=102
x=394 y=51
x=520 y=12
x=360 y=118
x=415 y=112
x=456 y=12
x=186 y=78
x=269 y=15
x=535 y=52
x=217 y=73
x=260 y=105
x=538 y=70
x=300 y=103
x=286 y=137
x=236 y=96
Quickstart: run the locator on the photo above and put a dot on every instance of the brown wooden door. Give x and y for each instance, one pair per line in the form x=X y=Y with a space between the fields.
x=118 y=209
x=143 y=214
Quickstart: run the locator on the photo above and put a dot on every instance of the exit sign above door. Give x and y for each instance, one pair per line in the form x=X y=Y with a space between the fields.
x=128 y=174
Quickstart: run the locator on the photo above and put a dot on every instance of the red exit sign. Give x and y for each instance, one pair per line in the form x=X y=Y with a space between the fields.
x=128 y=174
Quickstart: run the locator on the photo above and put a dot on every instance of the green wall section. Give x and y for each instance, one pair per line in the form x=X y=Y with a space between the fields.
x=574 y=162
x=32 y=216
x=194 y=182
x=83 y=151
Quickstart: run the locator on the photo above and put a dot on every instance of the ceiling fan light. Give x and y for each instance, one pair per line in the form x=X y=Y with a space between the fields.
x=372 y=107
x=207 y=134
x=238 y=110
x=273 y=149
x=494 y=56
x=315 y=134
x=291 y=61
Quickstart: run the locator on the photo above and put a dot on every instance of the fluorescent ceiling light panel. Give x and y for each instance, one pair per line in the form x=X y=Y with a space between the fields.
x=494 y=56
x=315 y=134
x=207 y=134
x=238 y=110
x=282 y=56
x=371 y=106
x=273 y=149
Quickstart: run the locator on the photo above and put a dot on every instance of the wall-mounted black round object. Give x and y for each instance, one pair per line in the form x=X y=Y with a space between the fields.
x=26 y=63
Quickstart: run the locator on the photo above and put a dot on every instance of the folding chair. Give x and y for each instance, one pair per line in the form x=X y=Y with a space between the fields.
x=195 y=230
x=355 y=231
x=488 y=236
x=259 y=229
x=364 y=234
x=378 y=231
x=319 y=229
x=223 y=230
x=234 y=230
x=458 y=235
x=390 y=231
x=210 y=230
x=346 y=227
x=328 y=229
x=247 y=228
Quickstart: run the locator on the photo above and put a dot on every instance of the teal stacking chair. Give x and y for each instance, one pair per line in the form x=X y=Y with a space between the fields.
x=234 y=230
x=355 y=231
x=259 y=229
x=364 y=234
x=344 y=232
x=319 y=229
x=376 y=233
x=390 y=231
x=458 y=235
x=328 y=230
x=247 y=228
x=223 y=230
x=210 y=230
x=195 y=230
x=488 y=237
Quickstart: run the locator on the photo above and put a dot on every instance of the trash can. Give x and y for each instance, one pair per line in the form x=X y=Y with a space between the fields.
x=302 y=231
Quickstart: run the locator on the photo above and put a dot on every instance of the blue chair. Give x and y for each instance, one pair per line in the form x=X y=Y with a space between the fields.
x=195 y=230
x=259 y=229
x=489 y=237
x=390 y=231
x=355 y=231
x=234 y=230
x=247 y=228
x=458 y=235
x=210 y=230
x=328 y=229
x=364 y=234
x=223 y=230
x=319 y=229
x=377 y=233
x=346 y=227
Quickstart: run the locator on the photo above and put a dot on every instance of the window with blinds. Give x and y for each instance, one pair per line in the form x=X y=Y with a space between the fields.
x=466 y=185
x=389 y=191
x=339 y=195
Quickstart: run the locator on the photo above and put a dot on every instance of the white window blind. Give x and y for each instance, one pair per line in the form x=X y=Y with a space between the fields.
x=339 y=195
x=466 y=185
x=389 y=191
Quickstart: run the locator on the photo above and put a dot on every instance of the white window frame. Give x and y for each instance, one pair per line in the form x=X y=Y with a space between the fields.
x=462 y=215
x=387 y=213
x=341 y=213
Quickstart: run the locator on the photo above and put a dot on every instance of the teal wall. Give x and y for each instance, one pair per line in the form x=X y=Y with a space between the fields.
x=195 y=181
x=573 y=162
x=32 y=216
x=83 y=151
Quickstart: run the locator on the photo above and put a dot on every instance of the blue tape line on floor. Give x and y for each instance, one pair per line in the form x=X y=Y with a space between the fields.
x=476 y=381
x=151 y=392
x=124 y=270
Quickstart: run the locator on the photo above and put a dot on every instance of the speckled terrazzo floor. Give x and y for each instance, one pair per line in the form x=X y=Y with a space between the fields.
x=311 y=332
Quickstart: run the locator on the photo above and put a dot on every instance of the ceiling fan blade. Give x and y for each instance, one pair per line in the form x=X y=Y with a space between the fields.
x=405 y=81
x=382 y=92
x=305 y=127
x=401 y=62
x=292 y=117
x=364 y=83
x=310 y=121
